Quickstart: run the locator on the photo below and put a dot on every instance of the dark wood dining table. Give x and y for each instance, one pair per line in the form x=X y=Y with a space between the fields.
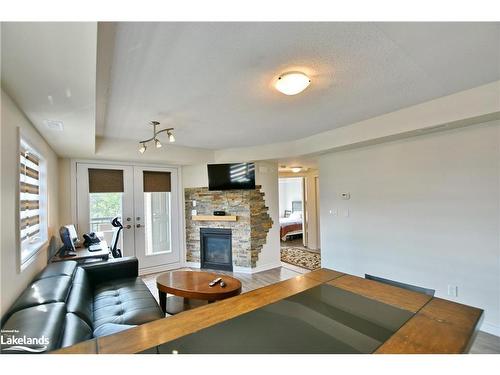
x=426 y=324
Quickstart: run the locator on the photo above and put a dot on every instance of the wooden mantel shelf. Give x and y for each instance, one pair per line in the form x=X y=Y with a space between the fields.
x=214 y=218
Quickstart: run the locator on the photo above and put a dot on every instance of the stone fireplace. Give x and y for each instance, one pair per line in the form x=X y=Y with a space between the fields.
x=216 y=249
x=248 y=231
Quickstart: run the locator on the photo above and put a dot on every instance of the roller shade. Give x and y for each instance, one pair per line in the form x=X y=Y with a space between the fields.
x=105 y=181
x=156 y=181
x=29 y=195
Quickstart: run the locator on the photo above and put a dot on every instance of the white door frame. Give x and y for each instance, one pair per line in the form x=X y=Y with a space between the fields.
x=169 y=258
x=182 y=225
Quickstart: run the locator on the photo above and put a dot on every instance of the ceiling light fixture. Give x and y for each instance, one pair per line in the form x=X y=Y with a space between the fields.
x=171 y=138
x=292 y=83
x=296 y=169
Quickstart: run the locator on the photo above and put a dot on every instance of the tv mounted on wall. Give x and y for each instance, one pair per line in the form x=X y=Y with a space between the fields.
x=231 y=176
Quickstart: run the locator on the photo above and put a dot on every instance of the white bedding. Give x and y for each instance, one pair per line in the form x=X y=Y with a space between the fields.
x=290 y=220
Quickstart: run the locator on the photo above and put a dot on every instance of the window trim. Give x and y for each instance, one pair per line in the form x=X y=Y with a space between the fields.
x=35 y=248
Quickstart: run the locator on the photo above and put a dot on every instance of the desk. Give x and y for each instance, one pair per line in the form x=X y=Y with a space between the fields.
x=381 y=318
x=83 y=254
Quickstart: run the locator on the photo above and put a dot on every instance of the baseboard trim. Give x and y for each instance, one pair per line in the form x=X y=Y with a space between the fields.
x=267 y=266
x=260 y=268
x=490 y=328
x=161 y=268
x=238 y=269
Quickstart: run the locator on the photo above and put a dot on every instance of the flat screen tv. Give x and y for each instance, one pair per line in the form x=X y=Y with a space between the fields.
x=231 y=176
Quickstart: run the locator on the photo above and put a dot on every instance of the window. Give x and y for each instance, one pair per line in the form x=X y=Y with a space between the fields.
x=32 y=202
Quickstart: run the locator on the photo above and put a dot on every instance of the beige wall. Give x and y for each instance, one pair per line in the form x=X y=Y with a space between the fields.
x=423 y=211
x=65 y=186
x=13 y=281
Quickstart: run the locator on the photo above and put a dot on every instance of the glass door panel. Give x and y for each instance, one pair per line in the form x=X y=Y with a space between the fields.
x=103 y=193
x=157 y=226
x=103 y=207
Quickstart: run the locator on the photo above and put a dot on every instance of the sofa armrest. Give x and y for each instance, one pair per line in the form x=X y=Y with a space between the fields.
x=113 y=269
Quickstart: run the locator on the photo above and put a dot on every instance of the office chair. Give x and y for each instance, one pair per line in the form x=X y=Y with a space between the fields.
x=117 y=253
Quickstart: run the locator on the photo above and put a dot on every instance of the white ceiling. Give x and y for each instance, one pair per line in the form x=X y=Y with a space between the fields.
x=212 y=81
x=49 y=70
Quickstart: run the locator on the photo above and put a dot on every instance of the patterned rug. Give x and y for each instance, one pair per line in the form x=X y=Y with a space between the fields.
x=301 y=257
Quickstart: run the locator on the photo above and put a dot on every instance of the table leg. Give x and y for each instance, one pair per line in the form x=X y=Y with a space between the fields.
x=163 y=300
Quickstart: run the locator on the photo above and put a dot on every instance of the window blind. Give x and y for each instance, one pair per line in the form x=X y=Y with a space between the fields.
x=105 y=180
x=156 y=182
x=29 y=196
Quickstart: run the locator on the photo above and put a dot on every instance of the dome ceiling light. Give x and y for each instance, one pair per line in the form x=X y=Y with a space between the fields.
x=157 y=143
x=292 y=83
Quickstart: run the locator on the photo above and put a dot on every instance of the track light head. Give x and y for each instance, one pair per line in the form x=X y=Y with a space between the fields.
x=142 y=148
x=171 y=137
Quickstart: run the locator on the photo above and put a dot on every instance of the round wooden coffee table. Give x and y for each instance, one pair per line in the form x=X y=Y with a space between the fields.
x=194 y=285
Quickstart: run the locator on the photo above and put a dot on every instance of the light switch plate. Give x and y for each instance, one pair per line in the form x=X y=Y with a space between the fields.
x=452 y=290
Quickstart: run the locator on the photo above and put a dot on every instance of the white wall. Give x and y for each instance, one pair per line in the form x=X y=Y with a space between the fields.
x=266 y=175
x=424 y=211
x=13 y=281
x=290 y=190
x=194 y=176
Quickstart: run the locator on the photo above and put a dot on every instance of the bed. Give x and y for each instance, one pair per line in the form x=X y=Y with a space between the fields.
x=291 y=224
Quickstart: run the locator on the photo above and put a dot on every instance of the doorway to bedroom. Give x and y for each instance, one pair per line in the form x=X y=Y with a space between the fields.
x=299 y=220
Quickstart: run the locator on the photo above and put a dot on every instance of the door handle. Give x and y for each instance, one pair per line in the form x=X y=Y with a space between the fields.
x=138 y=226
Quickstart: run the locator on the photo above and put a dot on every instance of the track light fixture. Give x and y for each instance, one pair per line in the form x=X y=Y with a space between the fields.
x=171 y=138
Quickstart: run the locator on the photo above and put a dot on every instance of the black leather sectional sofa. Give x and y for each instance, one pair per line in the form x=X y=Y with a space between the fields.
x=67 y=303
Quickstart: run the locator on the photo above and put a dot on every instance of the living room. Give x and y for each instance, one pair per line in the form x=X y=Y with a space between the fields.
x=174 y=187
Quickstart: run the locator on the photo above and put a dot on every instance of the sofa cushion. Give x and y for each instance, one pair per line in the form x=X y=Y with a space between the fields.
x=81 y=299
x=110 y=328
x=43 y=291
x=124 y=301
x=44 y=323
x=75 y=330
x=66 y=268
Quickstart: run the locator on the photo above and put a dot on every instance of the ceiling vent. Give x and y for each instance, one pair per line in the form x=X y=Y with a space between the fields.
x=54 y=125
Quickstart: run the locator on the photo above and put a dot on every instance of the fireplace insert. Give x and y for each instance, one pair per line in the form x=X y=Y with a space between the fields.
x=216 y=249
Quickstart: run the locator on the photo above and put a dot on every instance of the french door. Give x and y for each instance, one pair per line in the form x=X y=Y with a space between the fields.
x=145 y=199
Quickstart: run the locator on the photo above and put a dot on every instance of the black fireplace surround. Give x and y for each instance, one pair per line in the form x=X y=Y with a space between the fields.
x=216 y=249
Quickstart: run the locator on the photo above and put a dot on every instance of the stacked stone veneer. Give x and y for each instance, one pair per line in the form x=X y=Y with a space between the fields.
x=249 y=231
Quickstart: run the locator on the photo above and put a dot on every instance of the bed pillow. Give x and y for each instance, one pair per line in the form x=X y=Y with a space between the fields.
x=297 y=215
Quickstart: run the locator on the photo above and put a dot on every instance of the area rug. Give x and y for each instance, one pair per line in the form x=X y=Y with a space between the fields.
x=301 y=257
